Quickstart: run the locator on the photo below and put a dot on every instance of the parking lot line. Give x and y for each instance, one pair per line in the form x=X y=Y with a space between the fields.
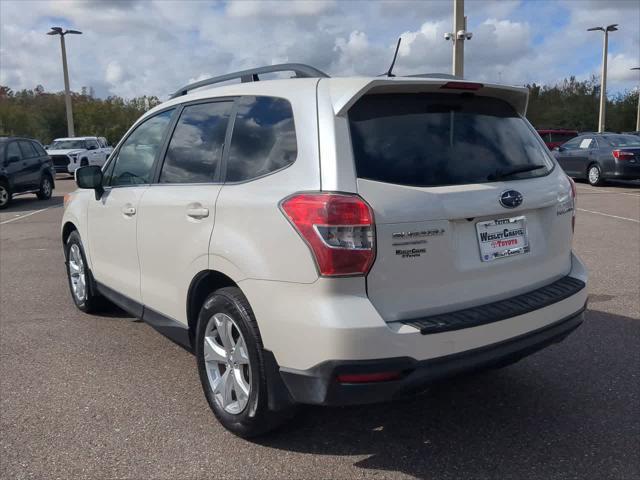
x=609 y=215
x=27 y=214
x=601 y=191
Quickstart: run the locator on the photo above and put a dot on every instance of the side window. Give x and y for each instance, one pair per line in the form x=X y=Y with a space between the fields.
x=134 y=163
x=585 y=143
x=195 y=149
x=27 y=149
x=101 y=142
x=13 y=151
x=39 y=150
x=263 y=140
x=572 y=144
x=92 y=143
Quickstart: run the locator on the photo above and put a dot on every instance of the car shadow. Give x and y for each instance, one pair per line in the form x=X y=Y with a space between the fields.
x=29 y=202
x=558 y=413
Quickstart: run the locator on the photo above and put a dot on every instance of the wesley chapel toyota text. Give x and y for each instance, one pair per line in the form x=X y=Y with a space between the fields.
x=331 y=241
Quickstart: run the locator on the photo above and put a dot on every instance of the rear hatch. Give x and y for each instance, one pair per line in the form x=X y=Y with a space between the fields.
x=469 y=207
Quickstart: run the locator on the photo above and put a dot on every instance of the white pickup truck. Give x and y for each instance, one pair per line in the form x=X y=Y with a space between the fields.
x=70 y=153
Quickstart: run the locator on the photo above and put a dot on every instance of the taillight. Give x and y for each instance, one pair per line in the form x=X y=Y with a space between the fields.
x=339 y=229
x=574 y=197
x=462 y=86
x=622 y=155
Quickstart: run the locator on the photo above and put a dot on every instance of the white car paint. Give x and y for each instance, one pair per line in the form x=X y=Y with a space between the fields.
x=79 y=156
x=153 y=255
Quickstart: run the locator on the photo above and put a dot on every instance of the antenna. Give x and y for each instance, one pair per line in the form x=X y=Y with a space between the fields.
x=389 y=74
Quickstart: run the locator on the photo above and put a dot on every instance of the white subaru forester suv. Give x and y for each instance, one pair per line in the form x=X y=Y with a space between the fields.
x=331 y=241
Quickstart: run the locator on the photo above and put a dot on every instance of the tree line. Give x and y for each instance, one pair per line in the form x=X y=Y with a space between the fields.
x=34 y=113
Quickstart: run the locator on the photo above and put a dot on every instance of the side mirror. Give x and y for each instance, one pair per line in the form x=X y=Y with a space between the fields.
x=90 y=177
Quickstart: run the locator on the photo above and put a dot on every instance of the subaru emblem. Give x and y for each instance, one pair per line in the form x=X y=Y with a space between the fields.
x=511 y=199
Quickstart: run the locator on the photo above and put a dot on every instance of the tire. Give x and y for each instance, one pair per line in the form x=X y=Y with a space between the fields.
x=84 y=162
x=46 y=188
x=594 y=175
x=79 y=276
x=5 y=194
x=244 y=414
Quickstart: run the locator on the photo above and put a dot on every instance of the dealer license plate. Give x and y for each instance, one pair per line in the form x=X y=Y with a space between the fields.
x=504 y=237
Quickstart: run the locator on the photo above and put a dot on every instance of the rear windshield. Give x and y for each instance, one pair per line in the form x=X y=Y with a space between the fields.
x=434 y=139
x=622 y=140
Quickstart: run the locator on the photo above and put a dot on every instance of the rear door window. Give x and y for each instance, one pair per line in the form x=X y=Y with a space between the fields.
x=40 y=151
x=433 y=139
x=27 y=149
x=263 y=140
x=195 y=150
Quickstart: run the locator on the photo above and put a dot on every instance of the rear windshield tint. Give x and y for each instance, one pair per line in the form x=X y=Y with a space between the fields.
x=434 y=139
x=622 y=140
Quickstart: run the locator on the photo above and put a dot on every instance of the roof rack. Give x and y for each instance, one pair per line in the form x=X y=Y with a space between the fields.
x=251 y=75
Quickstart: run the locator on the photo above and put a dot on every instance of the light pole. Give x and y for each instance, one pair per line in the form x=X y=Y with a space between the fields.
x=603 y=81
x=638 y=117
x=458 y=36
x=67 y=93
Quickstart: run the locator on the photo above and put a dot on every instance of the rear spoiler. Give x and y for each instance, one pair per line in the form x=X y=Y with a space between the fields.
x=347 y=91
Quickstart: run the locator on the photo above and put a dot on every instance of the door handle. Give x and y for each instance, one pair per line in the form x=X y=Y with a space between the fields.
x=128 y=210
x=197 y=212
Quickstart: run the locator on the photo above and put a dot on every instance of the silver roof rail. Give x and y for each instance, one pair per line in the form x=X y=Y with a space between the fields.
x=301 y=71
x=435 y=75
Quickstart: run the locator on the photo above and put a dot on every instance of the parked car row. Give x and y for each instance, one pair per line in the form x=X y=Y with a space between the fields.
x=25 y=167
x=597 y=157
x=28 y=167
x=70 y=153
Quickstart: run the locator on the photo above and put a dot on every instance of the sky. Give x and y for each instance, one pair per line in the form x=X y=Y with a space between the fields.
x=142 y=47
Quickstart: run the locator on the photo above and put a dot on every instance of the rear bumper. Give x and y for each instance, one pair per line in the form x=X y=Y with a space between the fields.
x=627 y=171
x=319 y=384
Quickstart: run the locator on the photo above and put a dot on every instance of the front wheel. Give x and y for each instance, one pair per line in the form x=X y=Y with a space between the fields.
x=79 y=276
x=594 y=175
x=46 y=188
x=231 y=365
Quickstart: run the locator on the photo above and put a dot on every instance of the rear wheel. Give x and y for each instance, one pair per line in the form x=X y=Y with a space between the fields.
x=594 y=175
x=46 y=188
x=5 y=194
x=230 y=361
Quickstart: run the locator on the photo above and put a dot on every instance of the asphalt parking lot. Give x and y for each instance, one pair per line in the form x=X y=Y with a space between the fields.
x=104 y=397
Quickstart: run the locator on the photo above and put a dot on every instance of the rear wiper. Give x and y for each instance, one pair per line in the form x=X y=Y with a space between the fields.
x=499 y=173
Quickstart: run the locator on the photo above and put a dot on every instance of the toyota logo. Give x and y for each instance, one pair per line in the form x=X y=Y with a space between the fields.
x=511 y=199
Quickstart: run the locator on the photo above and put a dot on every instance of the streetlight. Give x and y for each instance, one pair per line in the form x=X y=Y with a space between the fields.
x=67 y=94
x=638 y=118
x=458 y=36
x=603 y=82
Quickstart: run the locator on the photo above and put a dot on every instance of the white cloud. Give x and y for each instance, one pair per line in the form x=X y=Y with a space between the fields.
x=153 y=47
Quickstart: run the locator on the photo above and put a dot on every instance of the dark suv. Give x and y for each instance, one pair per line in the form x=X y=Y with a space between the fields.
x=24 y=168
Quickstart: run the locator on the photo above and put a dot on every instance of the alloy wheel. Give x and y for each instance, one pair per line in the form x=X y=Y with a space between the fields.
x=4 y=195
x=594 y=175
x=46 y=186
x=227 y=363
x=77 y=273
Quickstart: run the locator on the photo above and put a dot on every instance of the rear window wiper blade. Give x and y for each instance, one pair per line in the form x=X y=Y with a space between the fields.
x=499 y=173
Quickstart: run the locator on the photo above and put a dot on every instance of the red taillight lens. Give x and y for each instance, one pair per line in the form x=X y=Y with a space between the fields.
x=368 y=377
x=622 y=155
x=339 y=229
x=462 y=86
